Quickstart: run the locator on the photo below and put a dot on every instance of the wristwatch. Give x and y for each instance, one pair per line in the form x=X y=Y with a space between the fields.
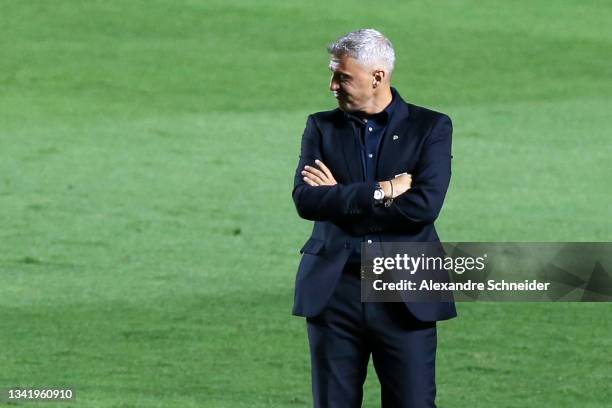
x=379 y=194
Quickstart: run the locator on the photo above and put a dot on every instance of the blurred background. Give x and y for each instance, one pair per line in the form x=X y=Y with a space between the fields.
x=149 y=242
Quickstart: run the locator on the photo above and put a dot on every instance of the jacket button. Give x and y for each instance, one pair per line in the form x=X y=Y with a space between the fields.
x=369 y=241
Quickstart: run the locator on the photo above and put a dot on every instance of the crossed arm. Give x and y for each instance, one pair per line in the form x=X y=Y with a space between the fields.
x=417 y=199
x=322 y=176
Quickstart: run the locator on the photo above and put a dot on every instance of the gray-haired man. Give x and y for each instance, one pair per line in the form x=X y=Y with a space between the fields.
x=345 y=182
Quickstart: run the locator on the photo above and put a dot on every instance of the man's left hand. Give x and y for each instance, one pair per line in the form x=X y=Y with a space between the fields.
x=320 y=176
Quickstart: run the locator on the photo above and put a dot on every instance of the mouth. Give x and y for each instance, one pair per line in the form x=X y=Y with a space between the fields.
x=339 y=97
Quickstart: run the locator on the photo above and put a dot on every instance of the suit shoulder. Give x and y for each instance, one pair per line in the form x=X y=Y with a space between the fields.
x=426 y=114
x=327 y=116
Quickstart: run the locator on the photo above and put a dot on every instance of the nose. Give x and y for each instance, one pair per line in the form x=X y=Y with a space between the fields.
x=333 y=85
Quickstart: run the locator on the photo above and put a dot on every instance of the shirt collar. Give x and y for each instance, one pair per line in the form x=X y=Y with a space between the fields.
x=381 y=117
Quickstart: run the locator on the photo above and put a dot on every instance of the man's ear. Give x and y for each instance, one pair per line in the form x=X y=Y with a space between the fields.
x=379 y=76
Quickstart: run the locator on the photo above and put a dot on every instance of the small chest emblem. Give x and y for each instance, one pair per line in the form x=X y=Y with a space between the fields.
x=395 y=137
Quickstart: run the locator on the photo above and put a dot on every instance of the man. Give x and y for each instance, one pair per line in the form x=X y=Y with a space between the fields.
x=346 y=181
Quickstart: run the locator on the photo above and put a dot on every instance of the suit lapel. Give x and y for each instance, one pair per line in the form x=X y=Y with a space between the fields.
x=395 y=142
x=348 y=137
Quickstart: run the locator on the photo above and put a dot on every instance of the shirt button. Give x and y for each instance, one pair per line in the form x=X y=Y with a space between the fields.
x=369 y=241
x=370 y=155
x=370 y=129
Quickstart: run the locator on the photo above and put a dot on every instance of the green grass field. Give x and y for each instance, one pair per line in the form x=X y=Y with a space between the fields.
x=147 y=149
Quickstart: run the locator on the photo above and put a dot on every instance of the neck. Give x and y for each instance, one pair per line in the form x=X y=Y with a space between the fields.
x=381 y=100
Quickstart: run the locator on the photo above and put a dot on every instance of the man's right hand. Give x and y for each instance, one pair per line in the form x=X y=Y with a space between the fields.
x=401 y=184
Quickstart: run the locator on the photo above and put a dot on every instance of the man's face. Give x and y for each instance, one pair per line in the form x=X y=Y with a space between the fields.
x=351 y=84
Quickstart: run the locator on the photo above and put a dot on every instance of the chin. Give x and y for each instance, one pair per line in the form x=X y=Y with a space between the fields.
x=346 y=107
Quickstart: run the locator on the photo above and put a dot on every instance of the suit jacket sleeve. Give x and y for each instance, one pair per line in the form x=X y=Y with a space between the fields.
x=341 y=203
x=422 y=203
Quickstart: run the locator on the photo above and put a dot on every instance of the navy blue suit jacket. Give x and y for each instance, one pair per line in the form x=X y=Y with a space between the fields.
x=418 y=141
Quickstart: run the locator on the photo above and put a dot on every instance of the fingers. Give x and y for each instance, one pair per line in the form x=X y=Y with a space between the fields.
x=312 y=179
x=318 y=177
x=405 y=178
x=315 y=172
x=325 y=170
x=401 y=184
x=310 y=182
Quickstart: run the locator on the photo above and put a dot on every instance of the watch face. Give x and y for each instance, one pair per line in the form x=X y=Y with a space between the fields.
x=379 y=194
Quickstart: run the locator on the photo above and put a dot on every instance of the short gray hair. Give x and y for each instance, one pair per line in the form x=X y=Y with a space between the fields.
x=368 y=46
